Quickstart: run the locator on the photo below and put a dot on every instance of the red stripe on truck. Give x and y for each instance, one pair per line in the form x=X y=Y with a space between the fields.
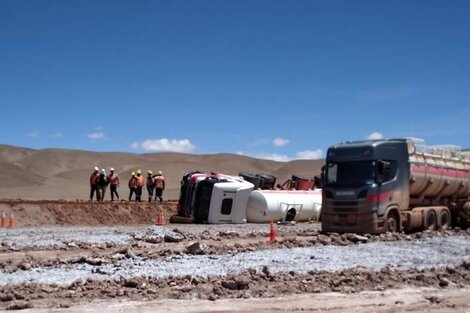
x=379 y=197
x=432 y=170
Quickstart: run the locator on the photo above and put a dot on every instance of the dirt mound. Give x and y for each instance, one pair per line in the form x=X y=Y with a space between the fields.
x=64 y=174
x=41 y=212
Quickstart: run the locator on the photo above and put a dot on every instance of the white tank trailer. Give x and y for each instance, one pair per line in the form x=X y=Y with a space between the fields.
x=283 y=205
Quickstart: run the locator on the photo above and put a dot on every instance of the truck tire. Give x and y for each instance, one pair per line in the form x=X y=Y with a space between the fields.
x=430 y=220
x=392 y=222
x=445 y=219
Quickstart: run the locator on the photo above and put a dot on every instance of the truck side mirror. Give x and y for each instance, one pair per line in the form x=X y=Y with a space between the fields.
x=322 y=175
x=382 y=171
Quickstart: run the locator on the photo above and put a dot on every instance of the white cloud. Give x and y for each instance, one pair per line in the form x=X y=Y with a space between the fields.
x=273 y=157
x=306 y=154
x=310 y=154
x=33 y=134
x=57 y=135
x=278 y=142
x=96 y=135
x=375 y=135
x=165 y=145
x=266 y=156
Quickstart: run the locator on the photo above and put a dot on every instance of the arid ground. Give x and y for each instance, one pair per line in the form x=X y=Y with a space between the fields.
x=69 y=255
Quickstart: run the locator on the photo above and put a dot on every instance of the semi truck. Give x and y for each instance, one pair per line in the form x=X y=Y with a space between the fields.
x=393 y=185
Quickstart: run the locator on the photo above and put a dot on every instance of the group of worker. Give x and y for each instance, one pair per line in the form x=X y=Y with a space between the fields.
x=99 y=182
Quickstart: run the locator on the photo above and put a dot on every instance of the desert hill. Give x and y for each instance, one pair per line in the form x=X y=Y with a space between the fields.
x=63 y=174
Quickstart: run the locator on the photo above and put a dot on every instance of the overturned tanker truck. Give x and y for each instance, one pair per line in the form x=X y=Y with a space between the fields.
x=393 y=185
x=216 y=198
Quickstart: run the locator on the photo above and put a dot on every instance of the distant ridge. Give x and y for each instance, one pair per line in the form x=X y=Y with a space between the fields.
x=63 y=174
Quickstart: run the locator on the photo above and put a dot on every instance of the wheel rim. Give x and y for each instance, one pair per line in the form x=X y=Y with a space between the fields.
x=445 y=220
x=431 y=220
x=391 y=224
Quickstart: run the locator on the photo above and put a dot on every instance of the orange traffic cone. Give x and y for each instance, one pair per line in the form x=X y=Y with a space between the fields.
x=157 y=220
x=160 y=219
x=12 y=221
x=272 y=232
x=4 y=220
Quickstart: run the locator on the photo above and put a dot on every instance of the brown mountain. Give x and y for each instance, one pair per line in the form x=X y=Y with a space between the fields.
x=63 y=174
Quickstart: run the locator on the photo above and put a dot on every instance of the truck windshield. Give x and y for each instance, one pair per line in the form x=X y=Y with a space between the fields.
x=349 y=174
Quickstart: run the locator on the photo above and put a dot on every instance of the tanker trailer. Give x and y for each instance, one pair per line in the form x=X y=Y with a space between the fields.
x=391 y=185
x=283 y=205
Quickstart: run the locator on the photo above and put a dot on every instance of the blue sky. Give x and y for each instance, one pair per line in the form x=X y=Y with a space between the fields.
x=273 y=79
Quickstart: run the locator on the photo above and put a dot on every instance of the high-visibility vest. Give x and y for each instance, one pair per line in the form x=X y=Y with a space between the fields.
x=94 y=178
x=132 y=182
x=160 y=181
x=139 y=180
x=114 y=179
x=150 y=181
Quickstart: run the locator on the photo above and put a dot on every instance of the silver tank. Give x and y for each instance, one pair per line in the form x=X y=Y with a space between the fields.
x=437 y=172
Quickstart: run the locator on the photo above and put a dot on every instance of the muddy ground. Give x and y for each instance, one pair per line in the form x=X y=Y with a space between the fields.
x=80 y=212
x=222 y=268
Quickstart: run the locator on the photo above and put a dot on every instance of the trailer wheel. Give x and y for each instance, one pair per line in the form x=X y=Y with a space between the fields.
x=430 y=220
x=391 y=222
x=445 y=219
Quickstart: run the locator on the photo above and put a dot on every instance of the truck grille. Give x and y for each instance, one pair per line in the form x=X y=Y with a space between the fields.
x=345 y=209
x=345 y=203
x=345 y=206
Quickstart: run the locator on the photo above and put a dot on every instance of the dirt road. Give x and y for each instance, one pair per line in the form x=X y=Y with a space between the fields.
x=412 y=300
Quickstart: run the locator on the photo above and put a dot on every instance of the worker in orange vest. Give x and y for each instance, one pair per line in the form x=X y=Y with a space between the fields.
x=113 y=179
x=132 y=185
x=159 y=186
x=94 y=184
x=139 y=182
x=150 y=184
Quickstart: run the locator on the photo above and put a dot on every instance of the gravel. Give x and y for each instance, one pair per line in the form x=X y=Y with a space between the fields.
x=421 y=254
x=62 y=236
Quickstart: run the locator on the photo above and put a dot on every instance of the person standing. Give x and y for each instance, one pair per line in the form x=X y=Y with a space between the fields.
x=102 y=184
x=150 y=184
x=113 y=179
x=132 y=185
x=94 y=184
x=159 y=186
x=139 y=182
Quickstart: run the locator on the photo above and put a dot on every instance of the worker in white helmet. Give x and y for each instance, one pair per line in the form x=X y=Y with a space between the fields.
x=102 y=184
x=94 y=184
x=113 y=179
x=132 y=185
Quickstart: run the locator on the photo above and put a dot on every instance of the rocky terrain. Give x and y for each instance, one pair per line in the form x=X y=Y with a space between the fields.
x=62 y=267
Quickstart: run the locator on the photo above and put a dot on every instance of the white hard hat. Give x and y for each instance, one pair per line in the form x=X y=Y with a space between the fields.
x=112 y=169
x=103 y=170
x=96 y=168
